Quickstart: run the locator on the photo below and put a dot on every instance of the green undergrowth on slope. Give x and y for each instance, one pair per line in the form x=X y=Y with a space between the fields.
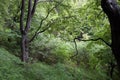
x=11 y=68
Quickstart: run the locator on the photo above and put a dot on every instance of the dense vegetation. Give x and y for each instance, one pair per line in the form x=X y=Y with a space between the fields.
x=68 y=40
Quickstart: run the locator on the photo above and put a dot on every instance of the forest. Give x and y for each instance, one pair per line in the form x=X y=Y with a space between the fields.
x=59 y=40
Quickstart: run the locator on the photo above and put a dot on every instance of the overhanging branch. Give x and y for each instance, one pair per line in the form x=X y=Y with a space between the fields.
x=100 y=40
x=88 y=40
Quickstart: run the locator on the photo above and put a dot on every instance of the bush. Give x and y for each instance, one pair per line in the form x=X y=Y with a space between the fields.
x=9 y=70
x=82 y=58
x=41 y=71
x=51 y=50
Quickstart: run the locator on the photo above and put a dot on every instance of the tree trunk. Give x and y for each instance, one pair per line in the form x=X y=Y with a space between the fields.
x=24 y=48
x=25 y=29
x=112 y=10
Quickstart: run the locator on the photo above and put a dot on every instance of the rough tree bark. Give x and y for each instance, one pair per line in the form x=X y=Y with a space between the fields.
x=25 y=29
x=112 y=10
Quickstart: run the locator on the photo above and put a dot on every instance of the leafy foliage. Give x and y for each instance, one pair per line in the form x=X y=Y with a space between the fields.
x=52 y=48
x=9 y=68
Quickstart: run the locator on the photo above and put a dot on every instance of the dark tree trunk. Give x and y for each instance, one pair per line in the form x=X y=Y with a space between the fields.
x=25 y=29
x=112 y=10
x=24 y=48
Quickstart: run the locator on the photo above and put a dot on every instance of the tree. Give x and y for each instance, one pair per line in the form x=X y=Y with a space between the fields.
x=24 y=29
x=112 y=10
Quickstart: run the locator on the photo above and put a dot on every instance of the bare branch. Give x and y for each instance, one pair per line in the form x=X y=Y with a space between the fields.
x=22 y=16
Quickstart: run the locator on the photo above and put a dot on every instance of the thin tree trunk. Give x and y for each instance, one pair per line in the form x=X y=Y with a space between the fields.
x=25 y=29
x=24 y=48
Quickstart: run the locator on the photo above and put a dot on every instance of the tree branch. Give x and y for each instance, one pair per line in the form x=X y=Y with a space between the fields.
x=49 y=25
x=41 y=23
x=97 y=40
x=75 y=49
x=34 y=7
x=88 y=40
x=45 y=1
x=22 y=16
x=28 y=16
x=99 y=14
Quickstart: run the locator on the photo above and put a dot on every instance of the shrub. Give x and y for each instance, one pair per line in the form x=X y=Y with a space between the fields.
x=51 y=50
x=9 y=69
